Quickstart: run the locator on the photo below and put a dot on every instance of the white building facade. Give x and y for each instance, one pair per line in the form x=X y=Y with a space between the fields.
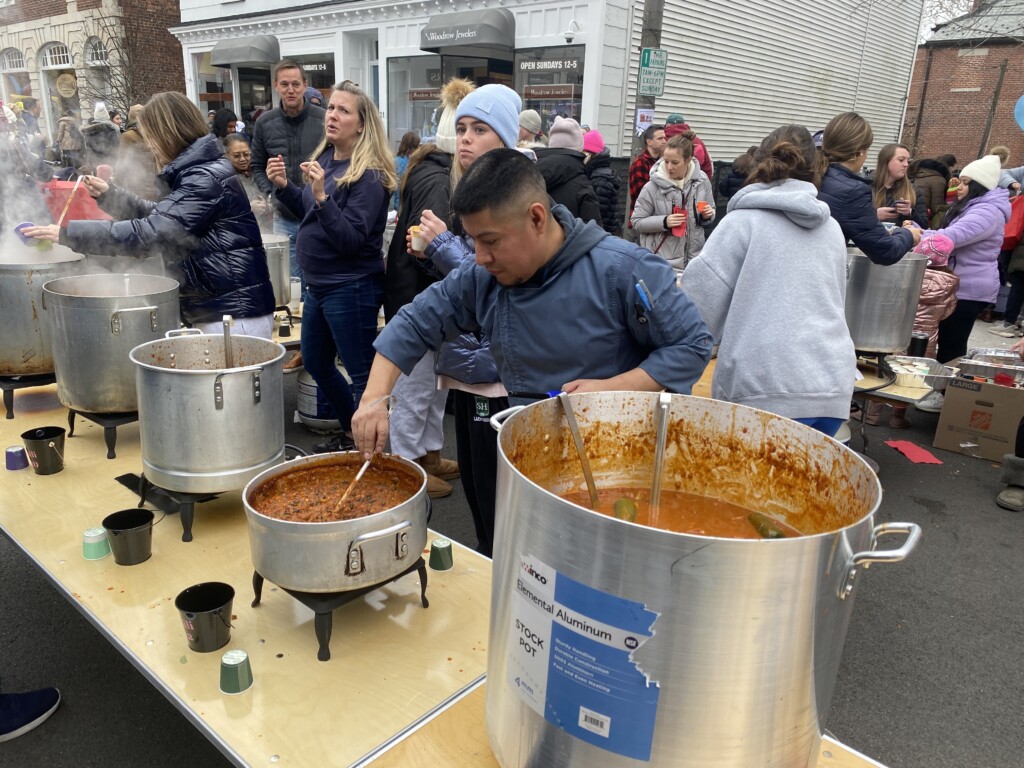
x=736 y=70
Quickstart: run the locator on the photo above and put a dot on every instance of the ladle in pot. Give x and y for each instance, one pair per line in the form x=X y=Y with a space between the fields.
x=581 y=450
x=356 y=479
x=229 y=353
x=661 y=435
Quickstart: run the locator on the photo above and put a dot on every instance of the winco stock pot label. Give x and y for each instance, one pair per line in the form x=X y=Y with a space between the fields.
x=571 y=659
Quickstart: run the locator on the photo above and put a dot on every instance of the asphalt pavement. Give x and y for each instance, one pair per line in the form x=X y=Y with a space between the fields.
x=931 y=672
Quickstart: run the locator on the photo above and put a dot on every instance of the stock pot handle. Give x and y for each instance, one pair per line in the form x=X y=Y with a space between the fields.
x=354 y=564
x=115 y=318
x=183 y=332
x=866 y=559
x=499 y=418
x=257 y=387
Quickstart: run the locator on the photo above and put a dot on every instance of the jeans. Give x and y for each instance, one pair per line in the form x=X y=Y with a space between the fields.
x=289 y=227
x=341 y=321
x=1015 y=301
x=824 y=424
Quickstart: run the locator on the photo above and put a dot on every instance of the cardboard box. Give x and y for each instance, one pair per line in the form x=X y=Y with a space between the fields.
x=979 y=419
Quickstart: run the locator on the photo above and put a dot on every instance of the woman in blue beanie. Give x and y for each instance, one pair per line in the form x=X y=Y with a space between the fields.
x=486 y=119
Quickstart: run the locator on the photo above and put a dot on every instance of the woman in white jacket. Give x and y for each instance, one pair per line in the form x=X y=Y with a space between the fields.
x=771 y=285
x=673 y=206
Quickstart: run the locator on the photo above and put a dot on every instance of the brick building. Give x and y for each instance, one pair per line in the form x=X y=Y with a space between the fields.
x=69 y=54
x=967 y=80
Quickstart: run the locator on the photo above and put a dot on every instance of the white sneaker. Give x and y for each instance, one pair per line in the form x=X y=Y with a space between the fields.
x=1006 y=331
x=931 y=403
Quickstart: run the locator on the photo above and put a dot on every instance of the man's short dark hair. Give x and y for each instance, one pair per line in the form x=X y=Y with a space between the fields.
x=500 y=178
x=289 y=64
x=651 y=130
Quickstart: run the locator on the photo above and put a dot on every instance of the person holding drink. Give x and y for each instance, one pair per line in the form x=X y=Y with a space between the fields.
x=894 y=196
x=343 y=210
x=673 y=206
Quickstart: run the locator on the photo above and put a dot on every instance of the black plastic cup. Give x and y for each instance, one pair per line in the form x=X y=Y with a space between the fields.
x=45 y=447
x=206 y=615
x=131 y=535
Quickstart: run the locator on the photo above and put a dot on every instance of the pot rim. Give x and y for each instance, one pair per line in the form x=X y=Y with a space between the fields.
x=326 y=458
x=206 y=371
x=794 y=541
x=51 y=286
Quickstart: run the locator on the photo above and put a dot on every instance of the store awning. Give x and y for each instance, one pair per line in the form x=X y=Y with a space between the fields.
x=246 y=51
x=489 y=28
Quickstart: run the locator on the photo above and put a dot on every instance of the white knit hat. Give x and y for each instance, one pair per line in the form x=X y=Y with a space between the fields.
x=985 y=171
x=100 y=112
x=452 y=94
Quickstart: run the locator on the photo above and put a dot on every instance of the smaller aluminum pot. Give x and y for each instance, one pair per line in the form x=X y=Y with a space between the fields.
x=278 y=250
x=343 y=555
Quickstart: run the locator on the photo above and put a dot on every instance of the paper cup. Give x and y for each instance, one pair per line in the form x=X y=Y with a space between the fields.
x=24 y=238
x=95 y=544
x=441 y=554
x=418 y=243
x=235 y=672
x=16 y=458
x=105 y=172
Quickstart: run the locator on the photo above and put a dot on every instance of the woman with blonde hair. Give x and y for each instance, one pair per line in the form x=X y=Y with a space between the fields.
x=844 y=148
x=894 y=196
x=204 y=227
x=343 y=207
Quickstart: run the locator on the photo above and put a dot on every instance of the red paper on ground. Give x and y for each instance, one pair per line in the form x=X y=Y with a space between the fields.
x=915 y=453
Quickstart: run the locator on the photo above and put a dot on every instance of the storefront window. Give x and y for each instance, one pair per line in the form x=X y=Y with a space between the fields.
x=16 y=84
x=550 y=80
x=60 y=83
x=319 y=69
x=213 y=84
x=480 y=70
x=414 y=86
x=255 y=95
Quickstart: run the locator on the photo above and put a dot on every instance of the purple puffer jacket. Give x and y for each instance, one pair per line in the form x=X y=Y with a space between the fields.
x=977 y=234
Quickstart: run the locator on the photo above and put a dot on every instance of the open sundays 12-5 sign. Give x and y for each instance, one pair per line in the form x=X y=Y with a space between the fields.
x=651 y=78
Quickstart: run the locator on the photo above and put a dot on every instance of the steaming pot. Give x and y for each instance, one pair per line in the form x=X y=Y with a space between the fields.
x=204 y=427
x=23 y=270
x=95 y=321
x=613 y=644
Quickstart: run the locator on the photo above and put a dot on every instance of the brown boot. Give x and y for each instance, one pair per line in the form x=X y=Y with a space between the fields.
x=446 y=469
x=437 y=488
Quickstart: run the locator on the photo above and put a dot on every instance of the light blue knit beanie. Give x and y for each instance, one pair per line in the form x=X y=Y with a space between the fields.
x=496 y=105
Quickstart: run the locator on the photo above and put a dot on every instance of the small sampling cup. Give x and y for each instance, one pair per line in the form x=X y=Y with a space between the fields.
x=702 y=206
x=16 y=457
x=23 y=237
x=235 y=672
x=206 y=615
x=130 y=532
x=95 y=544
x=441 y=554
x=45 y=448
x=418 y=243
x=105 y=172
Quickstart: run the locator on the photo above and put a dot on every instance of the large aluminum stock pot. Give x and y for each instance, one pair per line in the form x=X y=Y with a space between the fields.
x=205 y=427
x=26 y=349
x=881 y=300
x=342 y=555
x=613 y=644
x=95 y=321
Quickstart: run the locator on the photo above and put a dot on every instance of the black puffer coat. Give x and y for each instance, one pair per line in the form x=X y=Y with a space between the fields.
x=567 y=182
x=427 y=187
x=931 y=179
x=204 y=229
x=606 y=186
x=848 y=197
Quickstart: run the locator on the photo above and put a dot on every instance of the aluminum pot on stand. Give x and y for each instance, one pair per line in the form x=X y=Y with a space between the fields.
x=23 y=271
x=612 y=643
x=342 y=555
x=881 y=300
x=206 y=427
x=95 y=321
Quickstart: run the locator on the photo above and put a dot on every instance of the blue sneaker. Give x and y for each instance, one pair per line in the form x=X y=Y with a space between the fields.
x=21 y=712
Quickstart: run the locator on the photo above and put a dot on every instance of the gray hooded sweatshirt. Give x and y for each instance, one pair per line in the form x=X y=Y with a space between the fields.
x=771 y=284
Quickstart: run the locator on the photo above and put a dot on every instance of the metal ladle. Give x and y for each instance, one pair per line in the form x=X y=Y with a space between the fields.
x=661 y=436
x=229 y=353
x=581 y=450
